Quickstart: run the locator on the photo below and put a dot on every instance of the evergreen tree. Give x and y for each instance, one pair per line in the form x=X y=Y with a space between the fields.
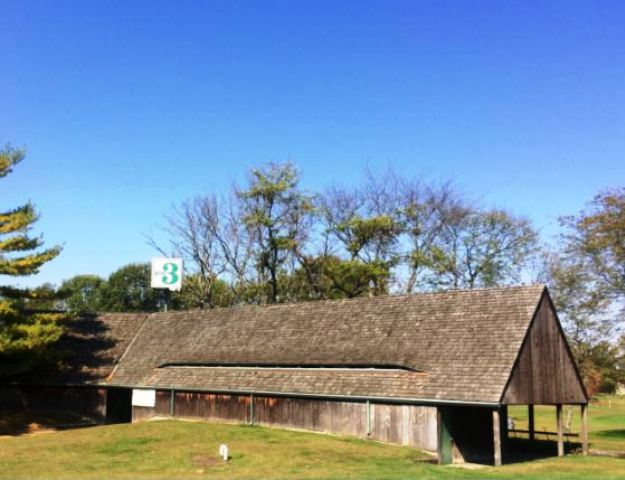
x=25 y=334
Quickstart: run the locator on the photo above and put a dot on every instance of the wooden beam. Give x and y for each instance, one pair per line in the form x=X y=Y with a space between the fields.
x=444 y=445
x=439 y=435
x=530 y=417
x=560 y=430
x=251 y=411
x=567 y=436
x=497 y=437
x=585 y=429
x=503 y=427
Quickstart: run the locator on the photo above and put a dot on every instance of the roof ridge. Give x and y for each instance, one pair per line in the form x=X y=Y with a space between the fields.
x=377 y=298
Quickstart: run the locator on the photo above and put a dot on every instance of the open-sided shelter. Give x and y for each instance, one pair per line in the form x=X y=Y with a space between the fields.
x=435 y=370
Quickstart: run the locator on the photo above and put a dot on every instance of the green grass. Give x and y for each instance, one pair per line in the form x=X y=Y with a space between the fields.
x=188 y=450
x=606 y=422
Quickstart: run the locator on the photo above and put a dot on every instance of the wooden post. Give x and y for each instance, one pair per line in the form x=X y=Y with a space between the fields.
x=503 y=427
x=530 y=420
x=445 y=451
x=368 y=419
x=560 y=433
x=584 y=431
x=439 y=435
x=497 y=437
x=172 y=398
x=251 y=421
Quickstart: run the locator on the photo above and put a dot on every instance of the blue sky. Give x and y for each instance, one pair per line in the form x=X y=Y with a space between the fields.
x=129 y=107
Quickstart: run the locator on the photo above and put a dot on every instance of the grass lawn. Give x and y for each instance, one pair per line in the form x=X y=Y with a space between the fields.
x=188 y=450
x=606 y=421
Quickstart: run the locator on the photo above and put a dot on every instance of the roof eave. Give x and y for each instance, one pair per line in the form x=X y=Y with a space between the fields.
x=360 y=398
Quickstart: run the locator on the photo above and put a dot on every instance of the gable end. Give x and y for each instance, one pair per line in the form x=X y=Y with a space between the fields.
x=545 y=371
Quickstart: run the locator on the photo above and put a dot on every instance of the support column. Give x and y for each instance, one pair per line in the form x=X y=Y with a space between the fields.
x=530 y=421
x=497 y=436
x=251 y=413
x=560 y=430
x=172 y=399
x=584 y=431
x=445 y=452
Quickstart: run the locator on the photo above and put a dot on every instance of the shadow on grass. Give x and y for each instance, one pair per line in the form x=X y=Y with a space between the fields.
x=15 y=424
x=618 y=433
x=523 y=450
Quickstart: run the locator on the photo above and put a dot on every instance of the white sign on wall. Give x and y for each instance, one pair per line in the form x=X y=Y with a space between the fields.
x=166 y=273
x=143 y=398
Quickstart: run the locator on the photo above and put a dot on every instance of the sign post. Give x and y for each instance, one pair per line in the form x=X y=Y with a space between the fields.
x=166 y=276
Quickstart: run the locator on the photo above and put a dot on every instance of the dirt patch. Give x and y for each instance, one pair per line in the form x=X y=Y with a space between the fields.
x=206 y=461
x=607 y=453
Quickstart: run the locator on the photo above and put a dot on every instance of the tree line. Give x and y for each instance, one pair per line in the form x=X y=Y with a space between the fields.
x=270 y=240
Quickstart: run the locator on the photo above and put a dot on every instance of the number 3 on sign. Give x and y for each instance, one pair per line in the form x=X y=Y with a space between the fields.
x=166 y=273
x=171 y=273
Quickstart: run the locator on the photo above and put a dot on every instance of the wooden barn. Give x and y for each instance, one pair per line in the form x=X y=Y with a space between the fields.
x=436 y=371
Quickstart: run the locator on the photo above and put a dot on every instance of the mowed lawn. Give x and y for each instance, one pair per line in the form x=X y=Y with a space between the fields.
x=606 y=422
x=188 y=450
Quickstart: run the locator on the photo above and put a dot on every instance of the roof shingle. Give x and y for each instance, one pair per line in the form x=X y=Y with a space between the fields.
x=465 y=341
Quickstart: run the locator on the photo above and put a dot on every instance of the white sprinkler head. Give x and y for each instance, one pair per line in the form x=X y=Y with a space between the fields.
x=223 y=452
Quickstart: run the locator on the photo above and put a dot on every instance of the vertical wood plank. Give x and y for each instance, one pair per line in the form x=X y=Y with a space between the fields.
x=503 y=427
x=545 y=372
x=584 y=431
x=530 y=416
x=497 y=437
x=560 y=430
x=439 y=436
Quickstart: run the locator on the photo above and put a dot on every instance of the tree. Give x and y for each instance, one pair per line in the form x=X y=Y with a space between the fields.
x=26 y=336
x=425 y=214
x=191 y=297
x=128 y=290
x=598 y=235
x=587 y=276
x=277 y=215
x=194 y=235
x=82 y=294
x=272 y=242
x=481 y=248
x=362 y=232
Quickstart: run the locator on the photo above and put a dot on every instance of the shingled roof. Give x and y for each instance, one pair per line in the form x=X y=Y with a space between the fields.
x=92 y=345
x=457 y=346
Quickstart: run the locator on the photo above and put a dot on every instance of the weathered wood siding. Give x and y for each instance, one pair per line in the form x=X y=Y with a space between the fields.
x=347 y=418
x=228 y=408
x=403 y=424
x=87 y=401
x=545 y=371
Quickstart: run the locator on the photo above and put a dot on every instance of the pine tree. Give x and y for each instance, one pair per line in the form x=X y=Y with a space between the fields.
x=25 y=334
